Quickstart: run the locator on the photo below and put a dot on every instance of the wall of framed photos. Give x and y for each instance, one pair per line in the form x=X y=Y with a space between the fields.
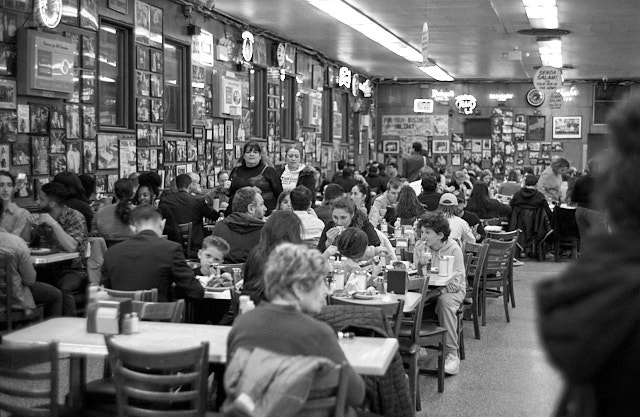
x=157 y=87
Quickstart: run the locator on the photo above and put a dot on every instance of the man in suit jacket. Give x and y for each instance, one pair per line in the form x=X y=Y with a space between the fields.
x=147 y=261
x=189 y=208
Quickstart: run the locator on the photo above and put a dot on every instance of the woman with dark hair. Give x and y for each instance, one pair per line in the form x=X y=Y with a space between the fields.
x=294 y=172
x=590 y=315
x=281 y=226
x=408 y=208
x=485 y=207
x=345 y=214
x=255 y=171
x=77 y=198
x=112 y=222
x=147 y=193
x=361 y=197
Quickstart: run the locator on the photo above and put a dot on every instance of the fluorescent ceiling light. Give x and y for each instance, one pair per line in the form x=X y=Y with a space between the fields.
x=549 y=22
x=539 y=3
x=541 y=12
x=436 y=73
x=551 y=52
x=352 y=17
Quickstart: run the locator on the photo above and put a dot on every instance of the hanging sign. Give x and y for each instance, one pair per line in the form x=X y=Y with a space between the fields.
x=48 y=12
x=555 y=101
x=425 y=43
x=423 y=105
x=500 y=96
x=247 y=46
x=548 y=79
x=344 y=77
x=355 y=85
x=466 y=104
x=367 y=88
x=442 y=96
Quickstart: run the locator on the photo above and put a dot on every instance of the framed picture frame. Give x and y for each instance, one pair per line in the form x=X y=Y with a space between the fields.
x=535 y=127
x=89 y=156
x=107 y=151
x=89 y=14
x=40 y=155
x=7 y=94
x=142 y=57
x=440 y=146
x=391 y=146
x=198 y=132
x=120 y=6
x=567 y=127
x=20 y=153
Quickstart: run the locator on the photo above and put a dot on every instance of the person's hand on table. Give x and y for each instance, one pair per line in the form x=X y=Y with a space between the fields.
x=43 y=218
x=381 y=251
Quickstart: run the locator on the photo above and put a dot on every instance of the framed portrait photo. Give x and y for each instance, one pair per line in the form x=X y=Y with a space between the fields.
x=120 y=6
x=7 y=94
x=440 y=146
x=535 y=127
x=567 y=127
x=391 y=146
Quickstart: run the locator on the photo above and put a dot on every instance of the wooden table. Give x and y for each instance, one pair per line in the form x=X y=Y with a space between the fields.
x=368 y=356
x=54 y=257
x=411 y=300
x=217 y=295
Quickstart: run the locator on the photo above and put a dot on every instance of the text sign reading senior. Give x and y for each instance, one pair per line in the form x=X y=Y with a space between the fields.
x=548 y=79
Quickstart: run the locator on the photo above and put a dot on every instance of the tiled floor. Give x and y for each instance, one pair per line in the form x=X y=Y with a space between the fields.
x=506 y=372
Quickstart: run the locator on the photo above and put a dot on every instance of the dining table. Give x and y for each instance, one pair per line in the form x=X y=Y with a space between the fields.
x=49 y=258
x=368 y=356
x=411 y=300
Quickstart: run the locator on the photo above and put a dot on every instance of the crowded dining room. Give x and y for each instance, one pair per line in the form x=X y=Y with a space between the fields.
x=284 y=208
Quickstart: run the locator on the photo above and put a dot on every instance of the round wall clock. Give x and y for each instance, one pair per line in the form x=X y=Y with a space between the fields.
x=48 y=12
x=535 y=97
x=281 y=54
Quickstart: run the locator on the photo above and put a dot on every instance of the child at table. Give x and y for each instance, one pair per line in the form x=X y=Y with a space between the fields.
x=213 y=251
x=352 y=244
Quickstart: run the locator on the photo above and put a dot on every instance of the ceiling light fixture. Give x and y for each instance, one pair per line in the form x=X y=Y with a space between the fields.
x=542 y=14
x=550 y=52
x=435 y=72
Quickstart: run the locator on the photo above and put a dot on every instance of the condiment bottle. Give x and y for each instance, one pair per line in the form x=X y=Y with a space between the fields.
x=126 y=324
x=384 y=227
x=135 y=323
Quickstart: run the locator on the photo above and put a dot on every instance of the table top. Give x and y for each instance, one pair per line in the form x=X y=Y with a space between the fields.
x=411 y=300
x=54 y=257
x=367 y=355
x=217 y=295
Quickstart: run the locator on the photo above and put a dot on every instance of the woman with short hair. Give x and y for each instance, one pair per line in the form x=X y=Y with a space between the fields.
x=294 y=280
x=550 y=180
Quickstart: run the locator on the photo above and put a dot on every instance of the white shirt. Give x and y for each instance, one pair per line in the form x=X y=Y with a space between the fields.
x=312 y=226
x=460 y=230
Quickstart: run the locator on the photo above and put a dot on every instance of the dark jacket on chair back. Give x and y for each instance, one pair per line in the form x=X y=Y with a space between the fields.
x=146 y=261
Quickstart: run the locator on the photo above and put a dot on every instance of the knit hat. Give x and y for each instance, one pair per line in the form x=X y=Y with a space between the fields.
x=448 y=199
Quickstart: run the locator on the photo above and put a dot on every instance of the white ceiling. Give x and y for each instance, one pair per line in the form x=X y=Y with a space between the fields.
x=467 y=38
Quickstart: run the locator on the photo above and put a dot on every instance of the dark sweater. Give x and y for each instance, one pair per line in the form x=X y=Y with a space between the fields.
x=264 y=177
x=287 y=331
x=530 y=197
x=491 y=210
x=583 y=190
x=430 y=199
x=242 y=232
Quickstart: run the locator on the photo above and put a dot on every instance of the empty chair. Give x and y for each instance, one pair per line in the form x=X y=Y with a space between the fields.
x=186 y=229
x=506 y=236
x=169 y=383
x=10 y=316
x=475 y=257
x=139 y=295
x=495 y=280
x=29 y=375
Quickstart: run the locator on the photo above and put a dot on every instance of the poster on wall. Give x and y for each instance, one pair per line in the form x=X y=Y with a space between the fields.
x=51 y=58
x=337 y=125
x=155 y=27
x=231 y=96
x=411 y=128
x=107 y=151
x=127 y=157
x=142 y=12
x=202 y=48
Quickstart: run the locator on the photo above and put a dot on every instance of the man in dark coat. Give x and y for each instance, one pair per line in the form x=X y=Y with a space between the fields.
x=429 y=197
x=146 y=261
x=242 y=228
x=187 y=208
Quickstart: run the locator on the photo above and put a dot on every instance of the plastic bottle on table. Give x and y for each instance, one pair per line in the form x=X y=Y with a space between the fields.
x=384 y=227
x=338 y=275
x=397 y=228
x=244 y=301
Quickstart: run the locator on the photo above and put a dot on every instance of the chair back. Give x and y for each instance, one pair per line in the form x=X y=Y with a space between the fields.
x=163 y=384
x=186 y=229
x=491 y=222
x=139 y=295
x=393 y=310
x=475 y=258
x=29 y=375
x=150 y=311
x=564 y=224
x=10 y=316
x=499 y=257
x=328 y=392
x=414 y=318
x=504 y=236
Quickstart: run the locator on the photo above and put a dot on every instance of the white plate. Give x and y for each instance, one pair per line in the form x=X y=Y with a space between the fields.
x=41 y=251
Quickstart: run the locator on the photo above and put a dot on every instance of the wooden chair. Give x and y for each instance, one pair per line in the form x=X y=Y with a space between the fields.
x=30 y=374
x=475 y=257
x=186 y=229
x=328 y=393
x=409 y=338
x=170 y=383
x=566 y=234
x=139 y=295
x=392 y=310
x=495 y=281
x=10 y=316
x=169 y=312
x=507 y=236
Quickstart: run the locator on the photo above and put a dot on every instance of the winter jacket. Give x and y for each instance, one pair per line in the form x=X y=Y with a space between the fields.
x=387 y=395
x=530 y=197
x=259 y=382
x=534 y=225
x=264 y=177
x=242 y=233
x=589 y=321
x=306 y=177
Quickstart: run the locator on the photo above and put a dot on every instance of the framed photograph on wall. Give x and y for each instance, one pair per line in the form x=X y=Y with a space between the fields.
x=7 y=94
x=391 y=146
x=535 y=127
x=107 y=151
x=440 y=146
x=120 y=6
x=567 y=127
x=89 y=156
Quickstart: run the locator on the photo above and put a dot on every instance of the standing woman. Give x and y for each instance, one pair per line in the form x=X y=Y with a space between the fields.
x=361 y=197
x=294 y=172
x=254 y=171
x=550 y=180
